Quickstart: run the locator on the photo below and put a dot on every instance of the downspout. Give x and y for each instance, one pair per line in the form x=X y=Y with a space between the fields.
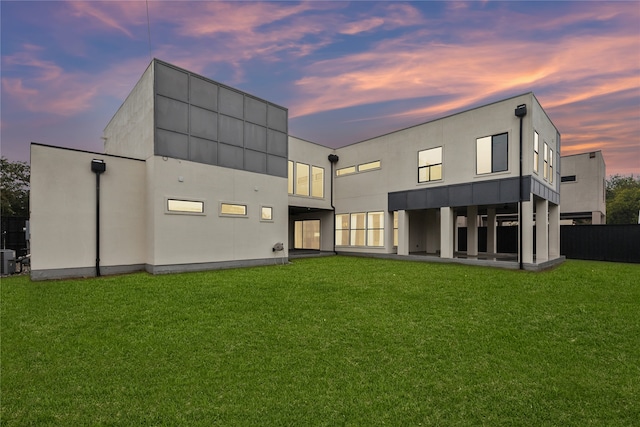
x=333 y=159
x=98 y=167
x=521 y=111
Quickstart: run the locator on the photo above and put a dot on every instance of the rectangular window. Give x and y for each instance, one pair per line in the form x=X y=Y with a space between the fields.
x=233 y=209
x=569 y=178
x=375 y=229
x=185 y=206
x=430 y=165
x=346 y=171
x=545 y=154
x=307 y=234
x=266 y=213
x=342 y=230
x=550 y=165
x=368 y=166
x=317 y=182
x=395 y=228
x=536 y=151
x=358 y=229
x=492 y=154
x=302 y=179
x=290 y=176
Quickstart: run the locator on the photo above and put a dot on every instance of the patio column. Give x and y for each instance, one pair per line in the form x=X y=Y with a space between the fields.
x=446 y=232
x=554 y=231
x=527 y=232
x=472 y=230
x=403 y=233
x=491 y=231
x=542 y=230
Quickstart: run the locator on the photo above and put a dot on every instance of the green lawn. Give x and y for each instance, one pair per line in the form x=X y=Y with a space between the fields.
x=326 y=341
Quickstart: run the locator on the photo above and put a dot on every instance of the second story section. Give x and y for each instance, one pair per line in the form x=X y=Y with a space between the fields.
x=475 y=146
x=309 y=174
x=583 y=188
x=178 y=114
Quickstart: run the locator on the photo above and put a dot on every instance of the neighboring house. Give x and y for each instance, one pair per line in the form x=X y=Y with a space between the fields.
x=198 y=175
x=583 y=188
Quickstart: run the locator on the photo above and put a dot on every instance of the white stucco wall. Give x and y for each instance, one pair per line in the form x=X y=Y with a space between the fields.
x=315 y=155
x=587 y=192
x=63 y=211
x=210 y=238
x=130 y=132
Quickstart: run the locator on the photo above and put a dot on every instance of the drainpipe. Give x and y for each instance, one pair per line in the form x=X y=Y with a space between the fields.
x=521 y=111
x=333 y=159
x=98 y=167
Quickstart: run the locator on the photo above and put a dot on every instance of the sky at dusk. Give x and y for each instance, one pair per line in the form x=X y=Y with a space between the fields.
x=347 y=71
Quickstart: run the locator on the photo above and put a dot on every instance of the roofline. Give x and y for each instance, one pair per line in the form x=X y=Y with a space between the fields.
x=311 y=142
x=85 y=151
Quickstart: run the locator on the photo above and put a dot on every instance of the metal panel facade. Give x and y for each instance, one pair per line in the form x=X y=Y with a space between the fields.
x=206 y=122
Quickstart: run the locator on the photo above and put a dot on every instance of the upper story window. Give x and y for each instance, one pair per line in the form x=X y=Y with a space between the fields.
x=317 y=182
x=545 y=154
x=231 y=209
x=536 y=151
x=185 y=206
x=568 y=178
x=302 y=179
x=368 y=166
x=430 y=165
x=550 y=165
x=290 y=176
x=492 y=154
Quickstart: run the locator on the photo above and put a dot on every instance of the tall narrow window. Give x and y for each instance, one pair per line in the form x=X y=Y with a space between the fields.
x=302 y=179
x=395 y=228
x=342 y=230
x=317 y=182
x=430 y=165
x=536 y=151
x=550 y=165
x=290 y=176
x=358 y=229
x=375 y=229
x=545 y=154
x=492 y=154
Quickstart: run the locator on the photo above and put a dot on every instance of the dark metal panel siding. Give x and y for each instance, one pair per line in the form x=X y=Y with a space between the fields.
x=231 y=131
x=203 y=151
x=255 y=111
x=230 y=156
x=204 y=123
x=277 y=143
x=277 y=166
x=459 y=195
x=203 y=93
x=255 y=161
x=172 y=144
x=231 y=103
x=255 y=137
x=277 y=118
x=172 y=115
x=171 y=82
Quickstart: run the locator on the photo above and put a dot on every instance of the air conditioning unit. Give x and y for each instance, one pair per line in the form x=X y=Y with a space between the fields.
x=7 y=261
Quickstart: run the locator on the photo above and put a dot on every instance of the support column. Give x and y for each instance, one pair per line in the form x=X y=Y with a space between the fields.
x=403 y=233
x=542 y=230
x=446 y=232
x=554 y=231
x=491 y=231
x=472 y=230
x=527 y=232
x=455 y=232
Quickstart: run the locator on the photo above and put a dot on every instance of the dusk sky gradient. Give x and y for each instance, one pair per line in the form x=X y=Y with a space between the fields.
x=347 y=71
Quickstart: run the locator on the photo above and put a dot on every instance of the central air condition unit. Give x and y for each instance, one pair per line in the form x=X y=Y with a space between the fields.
x=7 y=261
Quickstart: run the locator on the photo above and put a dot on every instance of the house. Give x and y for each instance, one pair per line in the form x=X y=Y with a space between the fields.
x=583 y=188
x=196 y=175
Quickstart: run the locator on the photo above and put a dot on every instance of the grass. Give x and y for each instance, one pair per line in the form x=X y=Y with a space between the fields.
x=326 y=341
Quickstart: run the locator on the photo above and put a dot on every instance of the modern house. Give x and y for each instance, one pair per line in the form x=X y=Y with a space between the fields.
x=197 y=175
x=583 y=188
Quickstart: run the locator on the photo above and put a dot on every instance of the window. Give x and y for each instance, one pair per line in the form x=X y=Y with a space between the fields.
x=302 y=179
x=545 y=154
x=395 y=228
x=568 y=178
x=536 y=152
x=492 y=154
x=342 y=230
x=290 y=176
x=346 y=171
x=550 y=165
x=317 y=182
x=368 y=166
x=266 y=213
x=430 y=165
x=375 y=229
x=185 y=206
x=229 y=209
x=307 y=234
x=358 y=229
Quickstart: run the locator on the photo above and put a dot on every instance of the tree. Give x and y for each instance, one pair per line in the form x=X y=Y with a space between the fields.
x=623 y=199
x=14 y=188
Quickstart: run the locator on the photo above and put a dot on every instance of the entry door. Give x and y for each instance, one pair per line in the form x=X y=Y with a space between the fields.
x=307 y=234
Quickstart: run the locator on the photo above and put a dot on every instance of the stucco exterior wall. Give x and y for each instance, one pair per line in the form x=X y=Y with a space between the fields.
x=315 y=155
x=130 y=131
x=63 y=213
x=587 y=192
x=210 y=237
